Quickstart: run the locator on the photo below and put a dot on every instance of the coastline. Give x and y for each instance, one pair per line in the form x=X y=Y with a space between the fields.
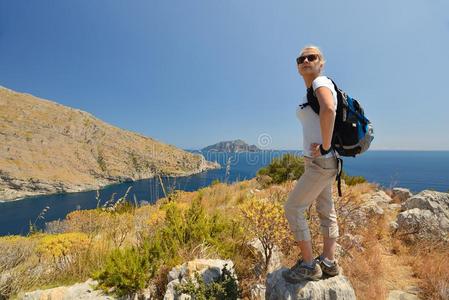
x=23 y=195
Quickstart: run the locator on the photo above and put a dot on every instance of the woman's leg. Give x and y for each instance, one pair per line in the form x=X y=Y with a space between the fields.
x=328 y=221
x=306 y=190
x=306 y=251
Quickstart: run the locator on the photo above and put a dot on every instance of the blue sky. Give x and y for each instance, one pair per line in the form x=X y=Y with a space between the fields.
x=191 y=73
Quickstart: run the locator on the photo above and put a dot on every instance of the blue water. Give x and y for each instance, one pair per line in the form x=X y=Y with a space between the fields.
x=416 y=170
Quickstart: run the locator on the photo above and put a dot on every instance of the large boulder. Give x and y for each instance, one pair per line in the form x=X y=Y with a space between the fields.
x=81 y=291
x=425 y=216
x=402 y=194
x=337 y=287
x=209 y=269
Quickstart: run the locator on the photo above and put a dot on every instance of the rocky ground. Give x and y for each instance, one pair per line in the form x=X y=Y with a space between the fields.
x=423 y=216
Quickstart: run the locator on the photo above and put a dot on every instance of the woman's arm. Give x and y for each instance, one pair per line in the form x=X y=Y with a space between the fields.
x=327 y=114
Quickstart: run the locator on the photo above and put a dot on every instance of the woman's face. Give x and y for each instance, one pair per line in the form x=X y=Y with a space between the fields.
x=312 y=67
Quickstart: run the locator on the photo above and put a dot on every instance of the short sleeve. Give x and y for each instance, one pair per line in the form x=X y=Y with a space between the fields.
x=324 y=81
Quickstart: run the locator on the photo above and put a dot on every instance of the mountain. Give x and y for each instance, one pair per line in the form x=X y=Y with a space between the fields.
x=49 y=148
x=232 y=146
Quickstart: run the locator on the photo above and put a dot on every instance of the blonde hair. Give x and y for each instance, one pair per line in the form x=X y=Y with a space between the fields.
x=317 y=49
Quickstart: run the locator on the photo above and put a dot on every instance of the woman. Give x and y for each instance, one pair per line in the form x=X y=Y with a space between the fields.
x=320 y=170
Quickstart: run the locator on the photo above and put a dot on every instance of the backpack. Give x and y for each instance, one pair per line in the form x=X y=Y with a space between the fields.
x=353 y=132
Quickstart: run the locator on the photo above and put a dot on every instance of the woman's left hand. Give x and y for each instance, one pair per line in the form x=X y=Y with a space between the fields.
x=315 y=149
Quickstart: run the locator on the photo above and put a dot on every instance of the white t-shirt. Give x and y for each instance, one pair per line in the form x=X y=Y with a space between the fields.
x=311 y=130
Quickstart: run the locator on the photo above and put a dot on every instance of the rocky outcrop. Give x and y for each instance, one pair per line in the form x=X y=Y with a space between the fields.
x=377 y=202
x=425 y=216
x=402 y=194
x=79 y=291
x=333 y=288
x=374 y=203
x=50 y=148
x=209 y=269
x=231 y=146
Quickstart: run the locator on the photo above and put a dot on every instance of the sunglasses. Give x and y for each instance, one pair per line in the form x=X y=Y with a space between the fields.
x=310 y=57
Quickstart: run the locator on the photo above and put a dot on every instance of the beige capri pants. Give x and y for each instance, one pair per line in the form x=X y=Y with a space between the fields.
x=314 y=184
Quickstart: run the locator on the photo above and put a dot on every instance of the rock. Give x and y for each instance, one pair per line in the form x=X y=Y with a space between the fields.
x=276 y=256
x=380 y=197
x=425 y=216
x=81 y=291
x=402 y=194
x=258 y=291
x=393 y=225
x=394 y=206
x=209 y=269
x=436 y=202
x=401 y=295
x=349 y=241
x=376 y=203
x=337 y=287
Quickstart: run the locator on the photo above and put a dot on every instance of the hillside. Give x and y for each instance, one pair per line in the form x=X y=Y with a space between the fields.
x=47 y=148
x=143 y=250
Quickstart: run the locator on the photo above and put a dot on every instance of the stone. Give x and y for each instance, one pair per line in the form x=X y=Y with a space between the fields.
x=81 y=291
x=350 y=241
x=425 y=216
x=333 y=288
x=209 y=269
x=380 y=197
x=376 y=203
x=436 y=202
x=402 y=194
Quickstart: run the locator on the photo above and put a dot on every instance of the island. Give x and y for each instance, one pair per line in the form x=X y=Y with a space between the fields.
x=231 y=146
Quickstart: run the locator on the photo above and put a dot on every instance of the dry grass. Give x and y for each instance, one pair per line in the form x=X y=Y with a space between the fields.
x=429 y=263
x=379 y=264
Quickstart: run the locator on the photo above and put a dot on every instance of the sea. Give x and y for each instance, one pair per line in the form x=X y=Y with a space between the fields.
x=415 y=170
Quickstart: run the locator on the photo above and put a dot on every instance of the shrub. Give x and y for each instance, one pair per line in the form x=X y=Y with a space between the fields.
x=90 y=221
x=281 y=169
x=101 y=161
x=62 y=248
x=189 y=228
x=265 y=220
x=215 y=181
x=127 y=271
x=352 y=180
x=224 y=288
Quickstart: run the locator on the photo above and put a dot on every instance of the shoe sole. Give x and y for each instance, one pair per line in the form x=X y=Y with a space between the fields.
x=330 y=274
x=305 y=278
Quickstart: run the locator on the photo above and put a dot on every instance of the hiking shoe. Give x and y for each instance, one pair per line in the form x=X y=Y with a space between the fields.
x=328 y=270
x=300 y=272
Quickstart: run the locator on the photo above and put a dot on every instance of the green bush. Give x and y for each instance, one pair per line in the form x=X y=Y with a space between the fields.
x=130 y=270
x=194 y=226
x=224 y=288
x=215 y=181
x=281 y=169
x=127 y=271
x=352 y=180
